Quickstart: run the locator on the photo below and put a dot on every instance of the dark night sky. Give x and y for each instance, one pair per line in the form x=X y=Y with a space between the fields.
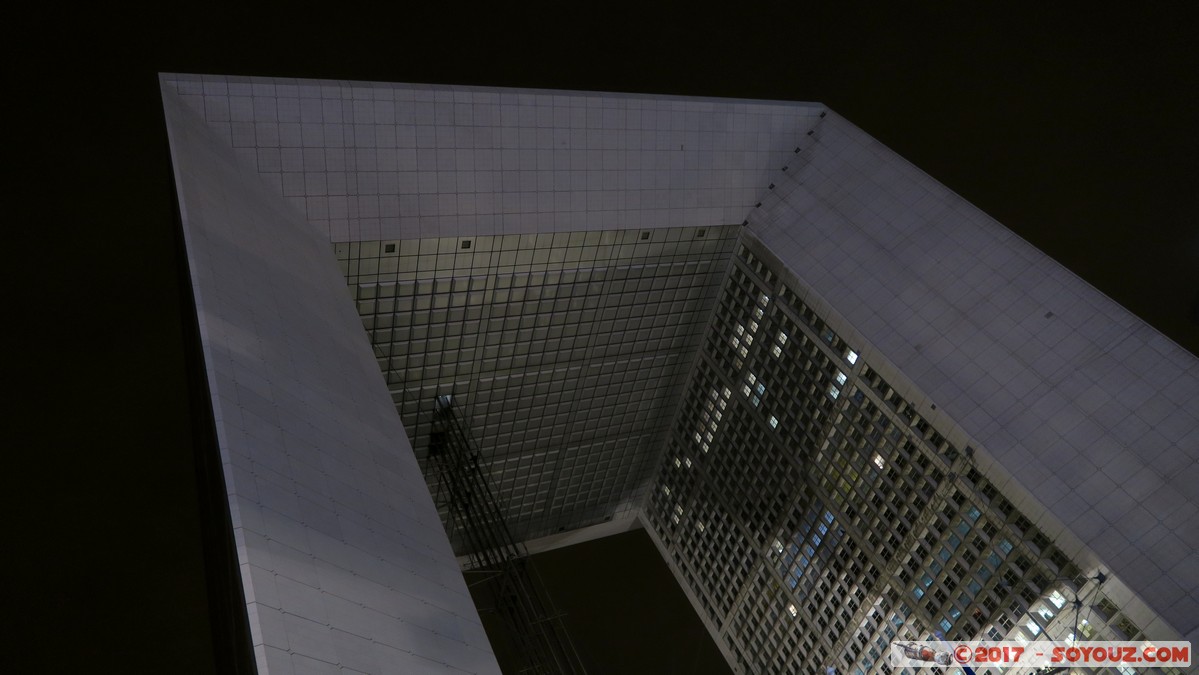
x=1074 y=129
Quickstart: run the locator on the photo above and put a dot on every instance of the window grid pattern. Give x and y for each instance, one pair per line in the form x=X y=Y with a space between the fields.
x=565 y=351
x=817 y=515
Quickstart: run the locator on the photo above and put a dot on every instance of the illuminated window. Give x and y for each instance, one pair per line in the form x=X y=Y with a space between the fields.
x=763 y=299
x=841 y=377
x=782 y=338
x=666 y=490
x=833 y=392
x=1057 y=599
x=878 y=460
x=851 y=356
x=792 y=610
x=774 y=422
x=775 y=351
x=678 y=463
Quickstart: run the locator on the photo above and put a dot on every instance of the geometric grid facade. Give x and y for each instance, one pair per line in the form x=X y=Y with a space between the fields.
x=1079 y=408
x=875 y=412
x=564 y=350
x=342 y=558
x=848 y=519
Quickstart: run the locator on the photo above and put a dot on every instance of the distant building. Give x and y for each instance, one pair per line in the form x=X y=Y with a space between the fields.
x=847 y=406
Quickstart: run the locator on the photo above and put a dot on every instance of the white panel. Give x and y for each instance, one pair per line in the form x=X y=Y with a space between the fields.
x=369 y=161
x=344 y=560
x=1091 y=410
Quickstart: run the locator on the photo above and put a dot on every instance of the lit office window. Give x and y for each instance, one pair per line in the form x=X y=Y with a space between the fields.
x=1057 y=599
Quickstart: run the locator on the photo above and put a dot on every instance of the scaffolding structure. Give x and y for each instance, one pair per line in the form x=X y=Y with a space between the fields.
x=503 y=580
